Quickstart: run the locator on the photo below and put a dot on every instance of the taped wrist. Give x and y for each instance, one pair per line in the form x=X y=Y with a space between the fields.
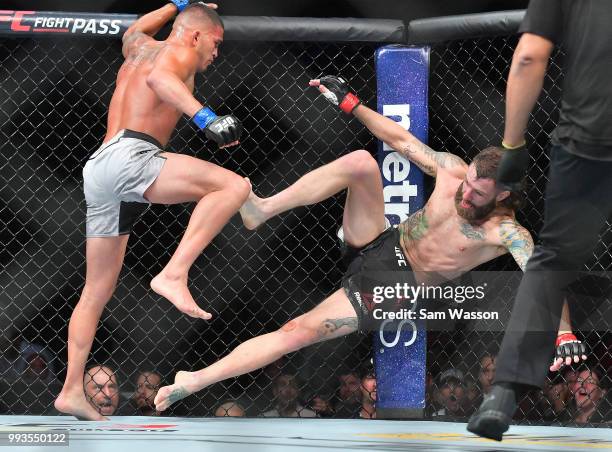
x=204 y=117
x=180 y=4
x=565 y=337
x=349 y=103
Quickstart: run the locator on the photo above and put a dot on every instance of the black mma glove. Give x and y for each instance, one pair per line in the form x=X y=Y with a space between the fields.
x=513 y=166
x=568 y=346
x=223 y=130
x=337 y=92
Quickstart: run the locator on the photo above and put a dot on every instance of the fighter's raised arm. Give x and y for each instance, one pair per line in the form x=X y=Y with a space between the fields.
x=336 y=90
x=148 y=25
x=172 y=72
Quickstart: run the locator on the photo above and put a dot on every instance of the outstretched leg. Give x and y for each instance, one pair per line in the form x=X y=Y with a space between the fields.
x=364 y=210
x=104 y=257
x=334 y=317
x=219 y=194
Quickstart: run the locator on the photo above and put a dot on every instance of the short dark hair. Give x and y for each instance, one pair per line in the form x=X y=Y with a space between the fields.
x=205 y=12
x=147 y=371
x=598 y=371
x=486 y=163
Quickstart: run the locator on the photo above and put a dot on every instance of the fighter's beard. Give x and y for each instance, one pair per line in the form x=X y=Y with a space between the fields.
x=473 y=213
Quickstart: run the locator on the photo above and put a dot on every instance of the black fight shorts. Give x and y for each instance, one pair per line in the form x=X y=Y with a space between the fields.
x=374 y=275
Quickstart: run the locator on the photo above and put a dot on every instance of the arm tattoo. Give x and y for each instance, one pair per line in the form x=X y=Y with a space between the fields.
x=415 y=226
x=333 y=325
x=410 y=149
x=434 y=159
x=473 y=232
x=517 y=240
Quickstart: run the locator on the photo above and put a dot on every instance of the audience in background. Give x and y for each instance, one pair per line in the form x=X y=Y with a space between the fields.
x=348 y=404
x=29 y=381
x=554 y=399
x=368 y=396
x=230 y=408
x=147 y=385
x=34 y=362
x=579 y=395
x=286 y=391
x=591 y=399
x=449 y=396
x=355 y=397
x=102 y=389
x=476 y=391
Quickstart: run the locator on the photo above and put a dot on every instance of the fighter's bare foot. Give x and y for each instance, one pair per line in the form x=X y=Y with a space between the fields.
x=77 y=405
x=183 y=386
x=176 y=291
x=253 y=212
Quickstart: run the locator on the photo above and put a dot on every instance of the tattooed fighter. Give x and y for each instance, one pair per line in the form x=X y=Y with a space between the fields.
x=467 y=221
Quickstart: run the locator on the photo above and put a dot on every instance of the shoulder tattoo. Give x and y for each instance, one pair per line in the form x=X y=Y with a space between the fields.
x=517 y=240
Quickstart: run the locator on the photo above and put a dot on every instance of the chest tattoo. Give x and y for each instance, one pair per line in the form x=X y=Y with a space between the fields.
x=415 y=226
x=473 y=232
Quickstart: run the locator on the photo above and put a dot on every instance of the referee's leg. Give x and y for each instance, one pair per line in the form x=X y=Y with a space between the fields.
x=576 y=207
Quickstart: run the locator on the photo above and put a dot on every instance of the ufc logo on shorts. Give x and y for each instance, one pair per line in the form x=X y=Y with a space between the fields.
x=401 y=262
x=15 y=18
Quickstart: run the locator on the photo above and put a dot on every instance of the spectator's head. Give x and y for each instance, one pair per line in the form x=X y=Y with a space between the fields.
x=588 y=389
x=368 y=388
x=556 y=392
x=275 y=368
x=451 y=391
x=570 y=375
x=350 y=387
x=286 y=390
x=101 y=389
x=147 y=385
x=229 y=408
x=34 y=362
x=486 y=374
x=36 y=367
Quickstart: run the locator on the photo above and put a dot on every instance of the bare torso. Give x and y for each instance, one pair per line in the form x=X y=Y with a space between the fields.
x=437 y=239
x=134 y=104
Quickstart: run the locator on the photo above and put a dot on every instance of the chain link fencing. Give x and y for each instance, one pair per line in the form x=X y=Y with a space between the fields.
x=467 y=101
x=53 y=115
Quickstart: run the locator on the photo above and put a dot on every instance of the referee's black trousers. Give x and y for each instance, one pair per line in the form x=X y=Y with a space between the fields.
x=578 y=202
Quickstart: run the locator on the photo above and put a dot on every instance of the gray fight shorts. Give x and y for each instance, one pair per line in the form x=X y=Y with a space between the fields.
x=114 y=181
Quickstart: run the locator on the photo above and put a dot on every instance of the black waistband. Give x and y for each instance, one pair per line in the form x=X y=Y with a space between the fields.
x=127 y=133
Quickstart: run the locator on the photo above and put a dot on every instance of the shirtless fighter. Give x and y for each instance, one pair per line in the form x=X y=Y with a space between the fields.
x=474 y=217
x=154 y=88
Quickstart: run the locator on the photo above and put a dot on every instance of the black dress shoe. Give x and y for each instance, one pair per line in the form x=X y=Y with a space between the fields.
x=495 y=413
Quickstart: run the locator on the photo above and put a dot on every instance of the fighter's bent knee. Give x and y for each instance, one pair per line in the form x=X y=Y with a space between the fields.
x=239 y=187
x=362 y=164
